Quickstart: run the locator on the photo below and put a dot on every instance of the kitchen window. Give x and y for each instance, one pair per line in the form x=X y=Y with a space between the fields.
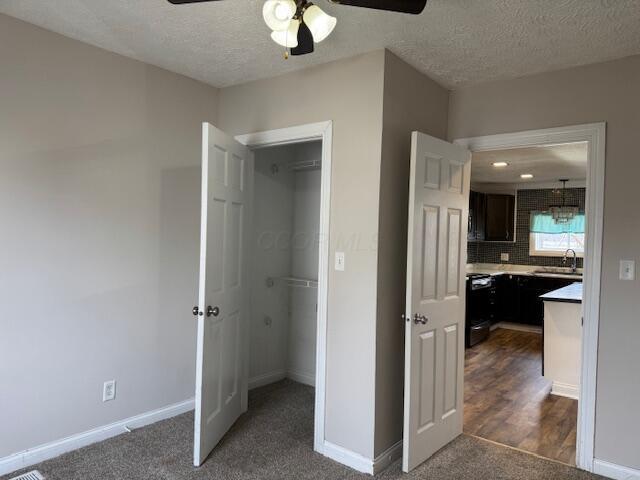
x=550 y=239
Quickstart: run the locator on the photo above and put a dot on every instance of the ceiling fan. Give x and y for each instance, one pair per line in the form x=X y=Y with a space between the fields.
x=298 y=24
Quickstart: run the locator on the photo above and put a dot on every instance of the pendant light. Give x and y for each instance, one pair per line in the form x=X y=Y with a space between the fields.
x=563 y=213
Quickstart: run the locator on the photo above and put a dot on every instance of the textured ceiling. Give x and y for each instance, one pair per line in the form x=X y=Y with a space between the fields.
x=456 y=42
x=546 y=164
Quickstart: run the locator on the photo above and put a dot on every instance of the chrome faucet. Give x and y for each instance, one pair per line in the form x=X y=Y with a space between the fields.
x=574 y=264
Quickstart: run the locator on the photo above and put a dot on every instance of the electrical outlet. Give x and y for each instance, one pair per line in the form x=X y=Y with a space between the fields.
x=504 y=257
x=339 y=264
x=109 y=390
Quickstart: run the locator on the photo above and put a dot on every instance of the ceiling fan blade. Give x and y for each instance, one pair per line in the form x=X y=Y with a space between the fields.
x=179 y=2
x=404 y=6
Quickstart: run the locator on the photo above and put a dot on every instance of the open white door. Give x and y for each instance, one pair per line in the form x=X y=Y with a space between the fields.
x=435 y=310
x=221 y=373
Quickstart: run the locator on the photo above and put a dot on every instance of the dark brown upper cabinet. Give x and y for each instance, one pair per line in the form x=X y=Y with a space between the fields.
x=477 y=203
x=491 y=217
x=499 y=222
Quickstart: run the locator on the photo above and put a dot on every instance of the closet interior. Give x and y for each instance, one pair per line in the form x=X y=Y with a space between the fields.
x=284 y=273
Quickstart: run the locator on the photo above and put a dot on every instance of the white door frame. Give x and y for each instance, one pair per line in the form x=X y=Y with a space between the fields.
x=313 y=131
x=595 y=135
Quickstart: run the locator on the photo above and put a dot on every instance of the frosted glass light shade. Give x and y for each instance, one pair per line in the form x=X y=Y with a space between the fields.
x=287 y=38
x=320 y=24
x=278 y=13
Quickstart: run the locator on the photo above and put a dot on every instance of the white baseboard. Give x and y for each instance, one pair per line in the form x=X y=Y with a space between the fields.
x=617 y=472
x=266 y=378
x=565 y=390
x=277 y=375
x=302 y=377
x=53 y=449
x=347 y=457
x=387 y=457
x=519 y=326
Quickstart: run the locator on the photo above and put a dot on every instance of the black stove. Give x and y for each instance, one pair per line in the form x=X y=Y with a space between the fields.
x=481 y=307
x=477 y=275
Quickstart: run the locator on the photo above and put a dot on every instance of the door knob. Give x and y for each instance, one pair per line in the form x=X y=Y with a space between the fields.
x=420 y=319
x=196 y=311
x=212 y=311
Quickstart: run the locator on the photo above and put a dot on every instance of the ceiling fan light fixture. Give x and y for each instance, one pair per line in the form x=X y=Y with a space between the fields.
x=299 y=24
x=305 y=40
x=277 y=14
x=287 y=38
x=320 y=23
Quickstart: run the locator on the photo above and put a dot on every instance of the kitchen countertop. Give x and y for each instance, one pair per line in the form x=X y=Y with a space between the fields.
x=495 y=269
x=569 y=294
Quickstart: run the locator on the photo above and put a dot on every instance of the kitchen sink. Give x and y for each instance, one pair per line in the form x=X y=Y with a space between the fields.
x=552 y=272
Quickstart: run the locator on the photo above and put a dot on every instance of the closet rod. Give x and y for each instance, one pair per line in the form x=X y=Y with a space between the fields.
x=293 y=282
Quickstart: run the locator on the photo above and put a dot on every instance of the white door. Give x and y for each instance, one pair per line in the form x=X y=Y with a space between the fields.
x=221 y=371
x=435 y=310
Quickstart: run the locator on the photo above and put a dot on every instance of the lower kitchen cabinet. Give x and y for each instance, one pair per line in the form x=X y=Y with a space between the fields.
x=530 y=305
x=507 y=293
x=518 y=297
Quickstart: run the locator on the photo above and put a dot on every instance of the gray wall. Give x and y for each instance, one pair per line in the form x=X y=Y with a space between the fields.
x=412 y=101
x=527 y=200
x=603 y=92
x=349 y=92
x=99 y=207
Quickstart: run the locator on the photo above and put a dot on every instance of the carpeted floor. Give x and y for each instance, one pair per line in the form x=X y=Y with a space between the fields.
x=273 y=441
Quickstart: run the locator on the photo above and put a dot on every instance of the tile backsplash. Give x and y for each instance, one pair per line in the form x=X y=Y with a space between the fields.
x=527 y=200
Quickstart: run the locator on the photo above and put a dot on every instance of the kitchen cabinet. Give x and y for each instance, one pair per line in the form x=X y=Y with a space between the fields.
x=507 y=293
x=476 y=216
x=530 y=307
x=500 y=217
x=491 y=217
x=516 y=298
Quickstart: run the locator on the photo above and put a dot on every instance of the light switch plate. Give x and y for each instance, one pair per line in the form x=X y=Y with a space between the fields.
x=109 y=390
x=339 y=265
x=627 y=270
x=504 y=257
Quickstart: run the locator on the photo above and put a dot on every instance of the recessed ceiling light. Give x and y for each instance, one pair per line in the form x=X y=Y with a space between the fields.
x=526 y=175
x=499 y=164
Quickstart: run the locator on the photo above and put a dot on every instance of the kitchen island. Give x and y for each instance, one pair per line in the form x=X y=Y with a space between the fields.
x=563 y=339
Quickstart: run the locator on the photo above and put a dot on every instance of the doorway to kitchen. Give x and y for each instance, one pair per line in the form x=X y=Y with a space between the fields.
x=534 y=242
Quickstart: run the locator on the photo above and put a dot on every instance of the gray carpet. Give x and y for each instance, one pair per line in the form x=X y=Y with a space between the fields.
x=274 y=441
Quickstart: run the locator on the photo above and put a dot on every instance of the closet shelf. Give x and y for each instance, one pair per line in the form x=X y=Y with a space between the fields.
x=293 y=282
x=305 y=165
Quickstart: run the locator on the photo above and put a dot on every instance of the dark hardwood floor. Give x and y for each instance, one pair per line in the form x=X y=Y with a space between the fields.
x=508 y=401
